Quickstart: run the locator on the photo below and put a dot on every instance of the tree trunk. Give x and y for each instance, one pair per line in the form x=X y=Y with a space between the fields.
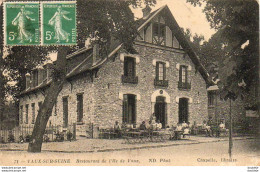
x=58 y=79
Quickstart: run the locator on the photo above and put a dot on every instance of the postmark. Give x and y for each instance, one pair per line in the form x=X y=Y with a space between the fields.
x=21 y=26
x=58 y=23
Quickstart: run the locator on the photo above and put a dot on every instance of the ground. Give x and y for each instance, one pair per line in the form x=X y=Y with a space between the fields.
x=194 y=150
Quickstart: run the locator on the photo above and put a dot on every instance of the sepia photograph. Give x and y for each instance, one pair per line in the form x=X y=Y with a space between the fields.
x=129 y=83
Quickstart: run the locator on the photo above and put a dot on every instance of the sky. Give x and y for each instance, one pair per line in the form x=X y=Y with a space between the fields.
x=186 y=15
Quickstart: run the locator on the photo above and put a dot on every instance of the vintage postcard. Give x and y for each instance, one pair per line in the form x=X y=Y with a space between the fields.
x=130 y=83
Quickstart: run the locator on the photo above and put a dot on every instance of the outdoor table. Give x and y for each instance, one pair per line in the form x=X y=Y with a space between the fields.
x=135 y=135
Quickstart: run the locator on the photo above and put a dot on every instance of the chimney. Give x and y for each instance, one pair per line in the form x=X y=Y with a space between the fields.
x=27 y=79
x=96 y=55
x=146 y=11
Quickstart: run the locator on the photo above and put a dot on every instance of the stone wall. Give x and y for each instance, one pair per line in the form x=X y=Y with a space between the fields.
x=108 y=86
x=102 y=98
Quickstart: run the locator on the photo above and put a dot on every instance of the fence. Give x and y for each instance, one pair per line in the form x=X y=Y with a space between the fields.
x=52 y=133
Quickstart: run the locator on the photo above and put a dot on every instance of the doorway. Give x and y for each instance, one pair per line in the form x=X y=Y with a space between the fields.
x=129 y=109
x=160 y=110
x=183 y=110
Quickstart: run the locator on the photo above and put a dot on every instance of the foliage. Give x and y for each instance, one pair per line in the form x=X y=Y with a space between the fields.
x=235 y=45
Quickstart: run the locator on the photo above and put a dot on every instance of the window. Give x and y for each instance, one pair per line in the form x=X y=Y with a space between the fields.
x=183 y=74
x=33 y=113
x=160 y=71
x=183 y=78
x=21 y=114
x=211 y=97
x=26 y=113
x=159 y=31
x=129 y=109
x=35 y=78
x=129 y=71
x=160 y=79
x=129 y=66
x=79 y=107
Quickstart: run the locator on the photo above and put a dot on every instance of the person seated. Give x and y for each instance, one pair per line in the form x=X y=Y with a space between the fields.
x=179 y=127
x=178 y=131
x=143 y=126
x=194 y=128
x=222 y=126
x=207 y=129
x=153 y=124
x=186 y=131
x=129 y=126
x=184 y=124
x=158 y=125
x=117 y=129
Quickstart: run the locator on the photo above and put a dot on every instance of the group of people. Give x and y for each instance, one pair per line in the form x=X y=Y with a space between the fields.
x=182 y=128
x=208 y=127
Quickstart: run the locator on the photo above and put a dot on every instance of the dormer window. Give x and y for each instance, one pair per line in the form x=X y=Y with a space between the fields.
x=159 y=31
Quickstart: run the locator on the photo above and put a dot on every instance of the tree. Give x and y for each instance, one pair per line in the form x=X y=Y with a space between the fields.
x=237 y=25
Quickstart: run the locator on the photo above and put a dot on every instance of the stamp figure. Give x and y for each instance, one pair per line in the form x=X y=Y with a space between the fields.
x=54 y=15
x=21 y=23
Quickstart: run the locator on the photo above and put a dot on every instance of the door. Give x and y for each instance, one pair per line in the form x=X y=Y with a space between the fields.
x=129 y=109
x=160 y=110
x=65 y=111
x=183 y=110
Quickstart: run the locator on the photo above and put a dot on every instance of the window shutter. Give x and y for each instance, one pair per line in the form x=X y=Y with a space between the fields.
x=180 y=73
x=157 y=71
x=134 y=112
x=186 y=75
x=21 y=114
x=126 y=66
x=125 y=105
x=164 y=71
x=134 y=67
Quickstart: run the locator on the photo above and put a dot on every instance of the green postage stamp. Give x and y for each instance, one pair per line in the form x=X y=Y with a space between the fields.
x=58 y=23
x=21 y=23
x=40 y=23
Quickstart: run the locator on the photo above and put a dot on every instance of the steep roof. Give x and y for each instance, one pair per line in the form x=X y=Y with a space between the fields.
x=141 y=23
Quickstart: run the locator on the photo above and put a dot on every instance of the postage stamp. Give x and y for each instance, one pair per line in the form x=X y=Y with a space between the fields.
x=58 y=23
x=21 y=26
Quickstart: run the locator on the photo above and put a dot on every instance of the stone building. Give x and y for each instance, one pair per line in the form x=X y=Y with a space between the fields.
x=164 y=77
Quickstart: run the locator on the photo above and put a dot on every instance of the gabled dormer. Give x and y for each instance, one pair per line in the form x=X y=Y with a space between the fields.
x=156 y=28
